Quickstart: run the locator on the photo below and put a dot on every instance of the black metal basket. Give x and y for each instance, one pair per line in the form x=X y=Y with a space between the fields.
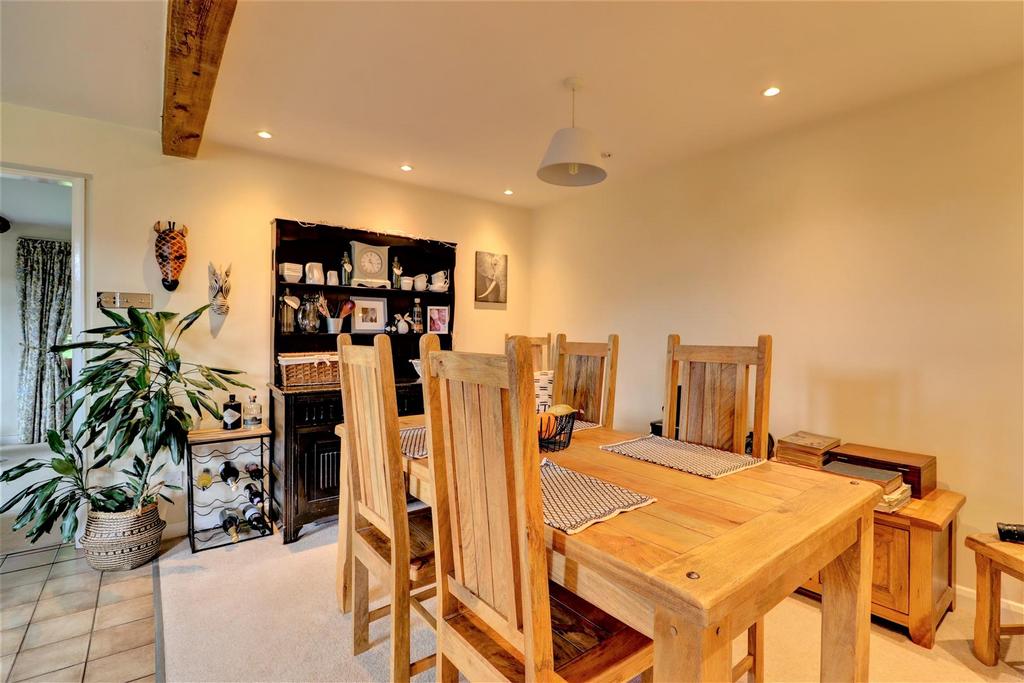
x=564 y=425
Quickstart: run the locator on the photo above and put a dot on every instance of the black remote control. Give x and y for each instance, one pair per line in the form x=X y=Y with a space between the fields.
x=1013 y=533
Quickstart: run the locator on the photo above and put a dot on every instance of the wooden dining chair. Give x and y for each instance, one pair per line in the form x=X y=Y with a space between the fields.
x=707 y=393
x=388 y=540
x=585 y=374
x=499 y=618
x=540 y=351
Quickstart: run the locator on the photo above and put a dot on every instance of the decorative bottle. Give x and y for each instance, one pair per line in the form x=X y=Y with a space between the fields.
x=232 y=413
x=346 y=270
x=252 y=413
x=417 y=317
x=286 y=313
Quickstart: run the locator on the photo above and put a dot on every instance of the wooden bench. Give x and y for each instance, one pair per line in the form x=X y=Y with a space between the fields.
x=993 y=557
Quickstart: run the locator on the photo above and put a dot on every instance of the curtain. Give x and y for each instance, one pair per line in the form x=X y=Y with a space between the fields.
x=44 y=298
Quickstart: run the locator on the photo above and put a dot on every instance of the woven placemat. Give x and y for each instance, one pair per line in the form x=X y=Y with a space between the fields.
x=414 y=442
x=692 y=458
x=580 y=425
x=573 y=501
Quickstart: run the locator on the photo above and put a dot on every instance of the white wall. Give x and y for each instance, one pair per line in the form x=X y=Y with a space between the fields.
x=10 y=317
x=228 y=197
x=881 y=249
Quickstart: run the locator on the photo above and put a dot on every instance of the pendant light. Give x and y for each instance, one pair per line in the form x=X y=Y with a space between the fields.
x=572 y=158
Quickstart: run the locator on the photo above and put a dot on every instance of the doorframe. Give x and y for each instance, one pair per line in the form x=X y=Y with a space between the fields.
x=77 y=182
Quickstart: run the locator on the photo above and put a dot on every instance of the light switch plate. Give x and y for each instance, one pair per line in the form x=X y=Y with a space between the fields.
x=124 y=299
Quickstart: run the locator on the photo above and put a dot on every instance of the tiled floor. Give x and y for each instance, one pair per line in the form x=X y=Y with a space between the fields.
x=63 y=621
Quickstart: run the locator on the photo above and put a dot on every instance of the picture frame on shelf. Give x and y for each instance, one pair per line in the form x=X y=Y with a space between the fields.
x=370 y=315
x=438 y=319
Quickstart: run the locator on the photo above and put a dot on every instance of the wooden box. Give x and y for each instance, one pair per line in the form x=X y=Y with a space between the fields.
x=917 y=470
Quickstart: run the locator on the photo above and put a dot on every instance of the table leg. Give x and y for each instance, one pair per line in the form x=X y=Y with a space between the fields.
x=986 y=616
x=343 y=579
x=922 y=595
x=684 y=651
x=846 y=608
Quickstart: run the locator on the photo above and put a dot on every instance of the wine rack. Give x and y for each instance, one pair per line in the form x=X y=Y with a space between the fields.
x=239 y=446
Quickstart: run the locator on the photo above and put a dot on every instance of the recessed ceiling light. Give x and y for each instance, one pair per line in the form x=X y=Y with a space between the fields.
x=508 y=193
x=265 y=134
x=405 y=167
x=771 y=92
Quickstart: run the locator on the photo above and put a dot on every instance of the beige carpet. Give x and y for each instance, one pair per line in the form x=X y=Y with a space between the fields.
x=262 y=611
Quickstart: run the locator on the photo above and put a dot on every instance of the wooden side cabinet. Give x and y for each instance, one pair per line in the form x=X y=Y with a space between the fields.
x=914 y=579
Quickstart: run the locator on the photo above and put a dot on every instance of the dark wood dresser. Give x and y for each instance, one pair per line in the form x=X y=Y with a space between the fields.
x=305 y=458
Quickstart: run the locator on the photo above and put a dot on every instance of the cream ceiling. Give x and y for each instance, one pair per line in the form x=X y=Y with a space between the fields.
x=469 y=92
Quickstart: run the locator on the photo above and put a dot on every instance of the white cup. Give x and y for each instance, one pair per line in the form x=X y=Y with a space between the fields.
x=332 y=277
x=439 y=278
x=406 y=282
x=419 y=282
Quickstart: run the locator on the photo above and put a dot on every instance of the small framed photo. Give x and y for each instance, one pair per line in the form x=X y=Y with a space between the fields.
x=370 y=314
x=437 y=319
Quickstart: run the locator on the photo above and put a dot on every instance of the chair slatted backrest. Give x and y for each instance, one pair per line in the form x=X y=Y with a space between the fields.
x=540 y=350
x=585 y=376
x=488 y=517
x=707 y=394
x=371 y=431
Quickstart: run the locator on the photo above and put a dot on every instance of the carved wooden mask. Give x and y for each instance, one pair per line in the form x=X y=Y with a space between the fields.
x=171 y=251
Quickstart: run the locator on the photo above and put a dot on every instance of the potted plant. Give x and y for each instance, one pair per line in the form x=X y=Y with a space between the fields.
x=137 y=383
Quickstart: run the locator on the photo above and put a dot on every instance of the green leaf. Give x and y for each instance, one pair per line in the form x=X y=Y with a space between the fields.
x=55 y=441
x=189 y=320
x=116 y=317
x=63 y=467
x=70 y=525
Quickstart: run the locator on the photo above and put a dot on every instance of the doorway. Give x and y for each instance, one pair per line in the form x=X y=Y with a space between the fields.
x=42 y=301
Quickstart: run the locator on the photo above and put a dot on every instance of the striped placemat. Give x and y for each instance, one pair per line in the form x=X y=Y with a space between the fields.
x=703 y=461
x=580 y=425
x=414 y=442
x=573 y=501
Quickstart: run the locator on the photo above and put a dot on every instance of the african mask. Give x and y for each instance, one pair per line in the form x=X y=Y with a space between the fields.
x=171 y=251
x=220 y=287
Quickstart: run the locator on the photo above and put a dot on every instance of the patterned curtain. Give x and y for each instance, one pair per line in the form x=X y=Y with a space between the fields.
x=44 y=296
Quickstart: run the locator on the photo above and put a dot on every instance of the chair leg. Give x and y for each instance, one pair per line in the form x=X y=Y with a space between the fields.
x=360 y=607
x=755 y=648
x=647 y=676
x=400 y=618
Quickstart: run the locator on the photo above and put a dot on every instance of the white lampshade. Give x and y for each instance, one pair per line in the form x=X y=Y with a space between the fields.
x=572 y=159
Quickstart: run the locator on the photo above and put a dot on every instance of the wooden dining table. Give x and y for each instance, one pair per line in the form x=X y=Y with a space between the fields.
x=709 y=558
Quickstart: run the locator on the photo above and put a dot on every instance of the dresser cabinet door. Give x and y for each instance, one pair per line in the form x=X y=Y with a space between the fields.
x=890 y=583
x=317 y=463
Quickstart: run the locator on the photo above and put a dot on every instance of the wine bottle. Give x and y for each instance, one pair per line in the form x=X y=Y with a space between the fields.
x=229 y=523
x=253 y=493
x=204 y=479
x=252 y=414
x=255 y=518
x=232 y=413
x=254 y=471
x=229 y=474
x=417 y=317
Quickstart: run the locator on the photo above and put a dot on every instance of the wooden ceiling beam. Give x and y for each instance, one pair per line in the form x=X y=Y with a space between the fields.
x=196 y=33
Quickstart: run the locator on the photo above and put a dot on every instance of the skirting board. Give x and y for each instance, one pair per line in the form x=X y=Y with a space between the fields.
x=1012 y=612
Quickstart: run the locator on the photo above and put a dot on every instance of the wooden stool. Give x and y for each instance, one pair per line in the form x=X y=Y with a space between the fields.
x=993 y=557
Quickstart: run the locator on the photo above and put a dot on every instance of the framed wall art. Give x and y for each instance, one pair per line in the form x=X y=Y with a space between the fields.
x=491 y=277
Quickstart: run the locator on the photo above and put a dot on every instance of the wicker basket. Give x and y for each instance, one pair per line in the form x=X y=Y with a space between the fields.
x=305 y=369
x=122 y=540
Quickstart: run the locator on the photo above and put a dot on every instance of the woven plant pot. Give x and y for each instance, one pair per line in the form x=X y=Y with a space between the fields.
x=122 y=540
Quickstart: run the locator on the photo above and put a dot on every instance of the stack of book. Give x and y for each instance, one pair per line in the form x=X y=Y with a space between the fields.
x=805 y=449
x=895 y=494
